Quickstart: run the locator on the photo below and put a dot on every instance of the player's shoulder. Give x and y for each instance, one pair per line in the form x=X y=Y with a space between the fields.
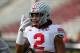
x=55 y=26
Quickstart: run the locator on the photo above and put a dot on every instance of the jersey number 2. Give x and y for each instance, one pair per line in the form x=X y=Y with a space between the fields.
x=39 y=37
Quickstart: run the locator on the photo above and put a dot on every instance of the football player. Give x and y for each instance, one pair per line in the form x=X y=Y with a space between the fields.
x=41 y=36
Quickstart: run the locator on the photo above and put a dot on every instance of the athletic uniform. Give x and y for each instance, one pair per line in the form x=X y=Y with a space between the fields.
x=41 y=39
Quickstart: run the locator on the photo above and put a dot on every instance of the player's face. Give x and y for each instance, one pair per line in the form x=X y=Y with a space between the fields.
x=35 y=18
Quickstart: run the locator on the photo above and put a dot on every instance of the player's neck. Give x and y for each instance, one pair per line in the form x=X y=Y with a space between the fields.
x=35 y=26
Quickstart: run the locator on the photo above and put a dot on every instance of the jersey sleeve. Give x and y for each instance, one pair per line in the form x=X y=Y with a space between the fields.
x=60 y=31
x=57 y=30
x=20 y=38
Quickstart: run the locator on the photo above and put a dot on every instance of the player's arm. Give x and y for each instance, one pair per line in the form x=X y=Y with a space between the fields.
x=20 y=39
x=22 y=48
x=19 y=42
x=19 y=48
x=58 y=41
x=59 y=44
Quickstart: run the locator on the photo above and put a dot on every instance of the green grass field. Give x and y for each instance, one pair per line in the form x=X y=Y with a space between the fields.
x=13 y=50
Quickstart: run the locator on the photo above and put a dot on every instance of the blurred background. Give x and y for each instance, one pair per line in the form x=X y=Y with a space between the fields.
x=64 y=12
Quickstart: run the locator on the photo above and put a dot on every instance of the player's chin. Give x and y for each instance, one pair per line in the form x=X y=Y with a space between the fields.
x=34 y=25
